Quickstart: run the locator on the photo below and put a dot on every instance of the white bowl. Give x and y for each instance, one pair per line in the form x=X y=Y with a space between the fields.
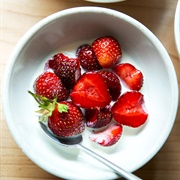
x=64 y=32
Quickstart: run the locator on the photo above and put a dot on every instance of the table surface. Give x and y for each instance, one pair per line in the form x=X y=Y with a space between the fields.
x=20 y=15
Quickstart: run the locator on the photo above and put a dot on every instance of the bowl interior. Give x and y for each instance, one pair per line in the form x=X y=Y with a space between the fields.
x=64 y=32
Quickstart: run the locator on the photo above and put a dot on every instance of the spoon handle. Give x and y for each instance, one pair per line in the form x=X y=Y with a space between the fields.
x=108 y=163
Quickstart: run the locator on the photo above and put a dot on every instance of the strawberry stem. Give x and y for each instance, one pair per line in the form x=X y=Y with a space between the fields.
x=42 y=101
x=62 y=108
x=47 y=106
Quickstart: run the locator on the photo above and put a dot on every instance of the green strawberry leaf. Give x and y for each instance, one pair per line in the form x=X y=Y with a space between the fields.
x=62 y=108
x=47 y=106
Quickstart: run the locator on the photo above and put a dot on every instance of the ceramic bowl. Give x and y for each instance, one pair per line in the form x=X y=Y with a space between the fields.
x=63 y=32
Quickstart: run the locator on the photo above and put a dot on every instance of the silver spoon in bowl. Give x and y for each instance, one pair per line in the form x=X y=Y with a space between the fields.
x=76 y=140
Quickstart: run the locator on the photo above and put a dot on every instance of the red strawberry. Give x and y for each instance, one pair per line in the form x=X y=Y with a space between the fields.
x=49 y=85
x=132 y=77
x=67 y=123
x=107 y=51
x=87 y=58
x=109 y=136
x=68 y=69
x=98 y=117
x=90 y=91
x=113 y=83
x=129 y=109
x=64 y=119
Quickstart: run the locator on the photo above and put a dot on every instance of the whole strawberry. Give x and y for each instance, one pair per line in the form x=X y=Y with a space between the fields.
x=67 y=123
x=87 y=57
x=107 y=51
x=64 y=119
x=66 y=68
x=49 y=85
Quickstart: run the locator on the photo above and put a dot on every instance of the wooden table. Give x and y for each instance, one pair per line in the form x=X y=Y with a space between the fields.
x=17 y=16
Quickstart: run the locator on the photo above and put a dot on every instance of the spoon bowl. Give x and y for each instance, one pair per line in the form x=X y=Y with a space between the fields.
x=64 y=141
x=76 y=141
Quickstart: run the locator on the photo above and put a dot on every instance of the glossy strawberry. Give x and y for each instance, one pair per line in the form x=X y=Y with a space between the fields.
x=67 y=123
x=130 y=110
x=66 y=68
x=91 y=91
x=98 y=117
x=112 y=82
x=64 y=118
x=130 y=75
x=109 y=136
x=87 y=58
x=49 y=85
x=107 y=51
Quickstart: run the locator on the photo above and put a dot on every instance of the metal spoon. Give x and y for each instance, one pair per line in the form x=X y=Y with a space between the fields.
x=76 y=140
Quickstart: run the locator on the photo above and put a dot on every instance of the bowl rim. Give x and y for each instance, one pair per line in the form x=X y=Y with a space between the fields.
x=30 y=33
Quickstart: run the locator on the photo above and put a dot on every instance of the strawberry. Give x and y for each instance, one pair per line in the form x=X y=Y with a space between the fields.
x=87 y=58
x=132 y=77
x=112 y=82
x=130 y=110
x=98 y=117
x=64 y=119
x=67 y=69
x=49 y=85
x=91 y=91
x=68 y=123
x=109 y=136
x=107 y=51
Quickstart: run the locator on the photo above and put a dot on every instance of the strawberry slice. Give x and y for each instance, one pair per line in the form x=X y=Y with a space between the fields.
x=107 y=137
x=112 y=82
x=132 y=77
x=98 y=117
x=107 y=51
x=130 y=110
x=87 y=57
x=91 y=91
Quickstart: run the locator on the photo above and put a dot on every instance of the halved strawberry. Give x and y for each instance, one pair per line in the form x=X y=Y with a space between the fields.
x=87 y=57
x=66 y=68
x=107 y=51
x=109 y=136
x=113 y=83
x=91 y=91
x=49 y=85
x=98 y=117
x=130 y=110
x=132 y=77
